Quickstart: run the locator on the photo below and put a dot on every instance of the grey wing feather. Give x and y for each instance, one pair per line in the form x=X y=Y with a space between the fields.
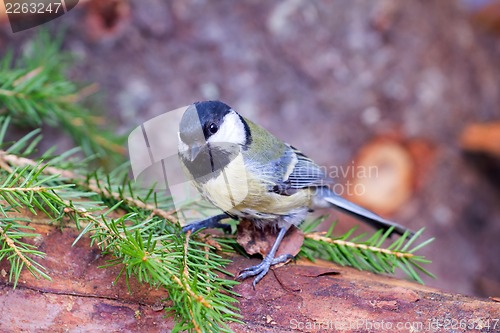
x=324 y=194
x=305 y=173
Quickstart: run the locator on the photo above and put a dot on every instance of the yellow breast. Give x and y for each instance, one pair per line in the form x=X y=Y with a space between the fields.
x=237 y=190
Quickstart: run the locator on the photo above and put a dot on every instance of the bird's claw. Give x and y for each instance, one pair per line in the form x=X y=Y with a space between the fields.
x=261 y=269
x=189 y=227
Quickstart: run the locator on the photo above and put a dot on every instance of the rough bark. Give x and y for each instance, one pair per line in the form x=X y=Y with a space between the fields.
x=299 y=297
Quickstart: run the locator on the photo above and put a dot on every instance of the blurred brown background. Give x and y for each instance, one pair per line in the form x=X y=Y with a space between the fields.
x=390 y=83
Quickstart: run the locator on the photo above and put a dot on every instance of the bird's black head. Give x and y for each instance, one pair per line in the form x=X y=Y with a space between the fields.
x=202 y=120
x=211 y=135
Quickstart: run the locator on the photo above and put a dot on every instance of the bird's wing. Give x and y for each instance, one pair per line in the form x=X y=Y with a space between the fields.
x=283 y=167
x=299 y=172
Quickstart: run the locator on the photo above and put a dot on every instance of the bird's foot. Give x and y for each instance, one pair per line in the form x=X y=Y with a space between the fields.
x=261 y=269
x=209 y=223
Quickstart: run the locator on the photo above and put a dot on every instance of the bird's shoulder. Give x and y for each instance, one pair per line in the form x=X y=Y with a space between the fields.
x=286 y=167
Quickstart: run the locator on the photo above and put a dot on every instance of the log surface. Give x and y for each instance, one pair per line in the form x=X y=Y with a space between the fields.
x=299 y=297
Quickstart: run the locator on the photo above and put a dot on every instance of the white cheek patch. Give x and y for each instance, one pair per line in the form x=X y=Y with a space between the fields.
x=231 y=131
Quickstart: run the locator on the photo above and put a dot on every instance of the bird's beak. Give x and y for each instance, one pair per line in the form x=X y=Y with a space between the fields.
x=194 y=150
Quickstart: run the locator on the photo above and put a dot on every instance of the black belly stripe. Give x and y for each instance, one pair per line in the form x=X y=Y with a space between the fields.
x=211 y=157
x=228 y=186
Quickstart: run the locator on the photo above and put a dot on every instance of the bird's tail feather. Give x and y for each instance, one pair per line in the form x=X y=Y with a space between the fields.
x=360 y=213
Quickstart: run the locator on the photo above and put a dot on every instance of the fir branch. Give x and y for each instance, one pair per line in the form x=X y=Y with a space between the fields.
x=25 y=189
x=35 y=90
x=106 y=193
x=366 y=254
x=12 y=245
x=321 y=237
x=18 y=253
x=89 y=184
x=161 y=257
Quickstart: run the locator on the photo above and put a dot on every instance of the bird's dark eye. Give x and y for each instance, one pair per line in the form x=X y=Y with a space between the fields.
x=213 y=128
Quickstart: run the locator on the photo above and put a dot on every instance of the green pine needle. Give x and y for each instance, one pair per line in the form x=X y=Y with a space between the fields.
x=368 y=254
x=35 y=90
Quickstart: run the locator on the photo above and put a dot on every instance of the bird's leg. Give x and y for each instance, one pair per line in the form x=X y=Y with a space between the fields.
x=261 y=269
x=211 y=222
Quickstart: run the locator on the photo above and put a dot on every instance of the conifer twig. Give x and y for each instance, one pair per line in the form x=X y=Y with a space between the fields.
x=36 y=90
x=13 y=246
x=92 y=185
x=366 y=254
x=321 y=237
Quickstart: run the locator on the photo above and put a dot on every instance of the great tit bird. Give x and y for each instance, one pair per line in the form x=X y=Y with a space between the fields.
x=248 y=173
